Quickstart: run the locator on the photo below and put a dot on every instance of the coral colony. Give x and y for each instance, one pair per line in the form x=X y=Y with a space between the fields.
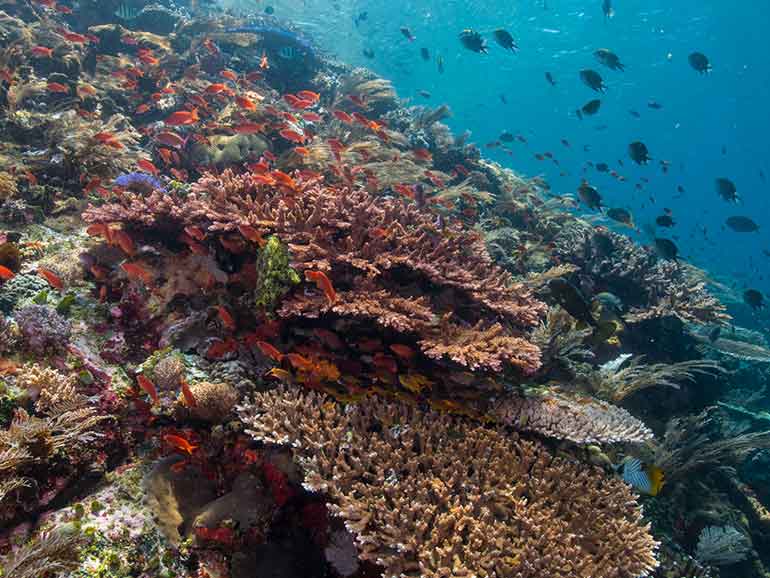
x=257 y=314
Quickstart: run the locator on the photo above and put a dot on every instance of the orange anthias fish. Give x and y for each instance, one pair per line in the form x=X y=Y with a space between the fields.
x=308 y=95
x=187 y=393
x=52 y=278
x=148 y=387
x=179 y=443
x=269 y=351
x=292 y=135
x=323 y=283
x=57 y=87
x=220 y=348
x=147 y=166
x=263 y=63
x=299 y=362
x=228 y=74
x=251 y=234
x=136 y=270
x=42 y=52
x=226 y=317
x=245 y=103
x=170 y=139
x=403 y=351
x=124 y=241
x=182 y=117
x=6 y=274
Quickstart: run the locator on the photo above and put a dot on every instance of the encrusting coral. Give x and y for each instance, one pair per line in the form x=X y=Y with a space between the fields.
x=429 y=495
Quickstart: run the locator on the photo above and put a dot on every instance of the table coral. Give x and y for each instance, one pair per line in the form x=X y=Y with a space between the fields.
x=429 y=495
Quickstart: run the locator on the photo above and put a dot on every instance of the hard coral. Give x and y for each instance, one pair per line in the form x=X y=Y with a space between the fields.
x=43 y=329
x=363 y=244
x=213 y=401
x=429 y=495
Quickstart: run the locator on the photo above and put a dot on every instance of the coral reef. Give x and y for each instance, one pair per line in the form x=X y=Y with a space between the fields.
x=461 y=499
x=42 y=329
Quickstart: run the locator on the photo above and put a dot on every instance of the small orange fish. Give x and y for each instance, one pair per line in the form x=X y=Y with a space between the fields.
x=179 y=443
x=308 y=95
x=403 y=351
x=343 y=116
x=245 y=103
x=269 y=351
x=124 y=241
x=189 y=398
x=251 y=234
x=299 y=362
x=263 y=63
x=6 y=274
x=228 y=74
x=215 y=88
x=58 y=87
x=292 y=135
x=226 y=317
x=147 y=166
x=323 y=283
x=166 y=155
x=249 y=128
x=302 y=151
x=170 y=139
x=52 y=278
x=136 y=270
x=220 y=348
x=42 y=52
x=311 y=117
x=423 y=154
x=148 y=387
x=74 y=37
x=183 y=117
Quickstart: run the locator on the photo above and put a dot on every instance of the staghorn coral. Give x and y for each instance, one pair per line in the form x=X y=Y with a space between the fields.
x=429 y=495
x=213 y=401
x=651 y=287
x=42 y=329
x=616 y=381
x=580 y=420
x=365 y=242
x=481 y=347
x=51 y=553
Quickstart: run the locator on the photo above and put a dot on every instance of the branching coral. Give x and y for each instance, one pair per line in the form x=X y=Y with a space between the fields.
x=48 y=387
x=428 y=495
x=616 y=381
x=362 y=243
x=580 y=420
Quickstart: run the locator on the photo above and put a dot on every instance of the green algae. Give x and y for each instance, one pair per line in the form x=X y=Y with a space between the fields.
x=275 y=276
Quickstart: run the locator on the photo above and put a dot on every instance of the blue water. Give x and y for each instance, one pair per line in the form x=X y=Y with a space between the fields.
x=710 y=126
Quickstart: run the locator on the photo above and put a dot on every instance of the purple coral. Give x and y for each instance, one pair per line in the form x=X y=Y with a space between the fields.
x=43 y=329
x=139 y=182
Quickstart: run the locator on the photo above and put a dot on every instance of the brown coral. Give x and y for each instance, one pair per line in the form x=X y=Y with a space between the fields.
x=213 y=401
x=386 y=248
x=47 y=386
x=429 y=495
x=168 y=372
x=580 y=420
x=8 y=188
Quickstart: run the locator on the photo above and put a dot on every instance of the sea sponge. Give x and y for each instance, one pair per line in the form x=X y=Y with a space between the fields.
x=213 y=401
x=227 y=150
x=168 y=372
